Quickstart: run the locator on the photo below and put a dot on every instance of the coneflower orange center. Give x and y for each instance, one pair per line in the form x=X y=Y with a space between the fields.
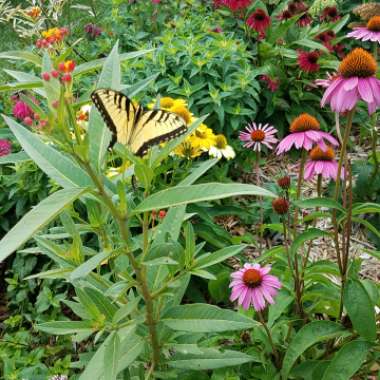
x=317 y=154
x=303 y=123
x=252 y=278
x=258 y=135
x=374 y=24
x=358 y=63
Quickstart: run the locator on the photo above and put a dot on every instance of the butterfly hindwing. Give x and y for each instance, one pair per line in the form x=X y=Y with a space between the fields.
x=155 y=127
x=118 y=112
x=132 y=126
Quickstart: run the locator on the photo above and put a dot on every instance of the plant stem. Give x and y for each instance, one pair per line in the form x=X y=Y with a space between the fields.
x=342 y=158
x=140 y=272
x=260 y=201
x=294 y=271
x=274 y=350
x=299 y=185
x=374 y=148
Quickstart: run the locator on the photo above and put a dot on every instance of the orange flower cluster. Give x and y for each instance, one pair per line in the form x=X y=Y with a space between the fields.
x=51 y=36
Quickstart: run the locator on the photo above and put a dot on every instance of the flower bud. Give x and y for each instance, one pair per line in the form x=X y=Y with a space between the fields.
x=280 y=205
x=66 y=78
x=28 y=121
x=284 y=182
x=45 y=76
x=54 y=73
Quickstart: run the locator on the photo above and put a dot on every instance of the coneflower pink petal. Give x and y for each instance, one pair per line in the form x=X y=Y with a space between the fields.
x=309 y=169
x=330 y=90
x=258 y=297
x=351 y=83
x=365 y=90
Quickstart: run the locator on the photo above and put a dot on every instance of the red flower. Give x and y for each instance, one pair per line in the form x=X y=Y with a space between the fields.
x=259 y=21
x=272 y=84
x=234 y=5
x=305 y=20
x=308 y=61
x=285 y=15
x=330 y=14
x=326 y=38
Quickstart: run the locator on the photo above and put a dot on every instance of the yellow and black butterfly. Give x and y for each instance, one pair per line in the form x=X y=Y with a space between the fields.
x=132 y=126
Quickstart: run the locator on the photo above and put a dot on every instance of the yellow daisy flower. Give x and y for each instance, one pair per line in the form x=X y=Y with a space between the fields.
x=221 y=148
x=182 y=111
x=187 y=150
x=166 y=102
x=203 y=137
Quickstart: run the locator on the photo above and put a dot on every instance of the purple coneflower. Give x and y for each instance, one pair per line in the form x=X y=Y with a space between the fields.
x=305 y=131
x=356 y=80
x=252 y=285
x=370 y=32
x=321 y=163
x=255 y=135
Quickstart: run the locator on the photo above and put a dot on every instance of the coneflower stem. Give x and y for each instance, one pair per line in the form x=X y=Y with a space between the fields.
x=260 y=202
x=342 y=158
x=299 y=186
x=274 y=349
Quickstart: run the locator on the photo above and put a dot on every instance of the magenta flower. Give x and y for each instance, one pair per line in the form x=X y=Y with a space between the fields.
x=5 y=147
x=259 y=21
x=356 y=80
x=252 y=285
x=370 y=32
x=322 y=163
x=272 y=84
x=305 y=132
x=21 y=110
x=93 y=30
x=308 y=61
x=255 y=135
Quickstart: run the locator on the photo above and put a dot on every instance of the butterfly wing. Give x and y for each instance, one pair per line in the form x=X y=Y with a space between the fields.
x=131 y=126
x=118 y=112
x=154 y=127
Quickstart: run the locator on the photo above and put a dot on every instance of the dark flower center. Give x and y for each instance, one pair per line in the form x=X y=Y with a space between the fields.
x=252 y=278
x=374 y=24
x=258 y=135
x=303 y=123
x=317 y=154
x=358 y=63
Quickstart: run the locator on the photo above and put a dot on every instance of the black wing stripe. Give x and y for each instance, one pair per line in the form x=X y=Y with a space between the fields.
x=106 y=117
x=159 y=139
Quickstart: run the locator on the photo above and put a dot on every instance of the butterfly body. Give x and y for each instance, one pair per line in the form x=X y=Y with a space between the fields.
x=132 y=126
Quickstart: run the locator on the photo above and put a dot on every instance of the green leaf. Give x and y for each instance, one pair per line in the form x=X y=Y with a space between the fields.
x=107 y=308
x=360 y=309
x=98 y=63
x=57 y=166
x=180 y=195
x=130 y=348
x=197 y=171
x=66 y=327
x=14 y=158
x=309 y=234
x=205 y=318
x=319 y=202
x=89 y=265
x=23 y=55
x=307 y=336
x=111 y=357
x=37 y=218
x=209 y=259
x=347 y=361
x=126 y=310
x=134 y=89
x=209 y=358
x=98 y=134
x=283 y=300
x=340 y=23
x=311 y=44
x=51 y=274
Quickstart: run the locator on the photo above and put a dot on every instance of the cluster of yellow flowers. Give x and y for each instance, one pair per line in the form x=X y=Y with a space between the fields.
x=202 y=140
